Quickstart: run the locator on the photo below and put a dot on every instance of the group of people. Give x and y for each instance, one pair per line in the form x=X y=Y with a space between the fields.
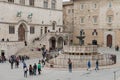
x=88 y=65
x=16 y=59
x=32 y=69
x=2 y=59
x=12 y=60
x=96 y=63
x=45 y=54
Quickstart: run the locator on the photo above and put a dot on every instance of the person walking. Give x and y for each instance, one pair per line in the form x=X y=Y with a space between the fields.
x=43 y=62
x=34 y=68
x=11 y=62
x=39 y=68
x=97 y=65
x=24 y=64
x=70 y=65
x=88 y=65
x=25 y=71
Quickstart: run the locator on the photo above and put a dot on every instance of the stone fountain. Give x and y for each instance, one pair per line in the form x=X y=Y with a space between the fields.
x=81 y=37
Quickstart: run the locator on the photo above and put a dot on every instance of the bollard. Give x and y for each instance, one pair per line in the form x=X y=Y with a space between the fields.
x=114 y=75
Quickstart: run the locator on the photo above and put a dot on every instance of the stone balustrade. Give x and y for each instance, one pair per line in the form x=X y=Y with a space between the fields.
x=80 y=61
x=80 y=49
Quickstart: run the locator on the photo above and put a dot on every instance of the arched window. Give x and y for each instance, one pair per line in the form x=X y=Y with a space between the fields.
x=45 y=4
x=53 y=4
x=95 y=33
x=53 y=25
x=22 y=2
x=110 y=4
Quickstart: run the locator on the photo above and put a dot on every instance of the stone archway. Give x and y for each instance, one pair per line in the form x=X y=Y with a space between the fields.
x=60 y=43
x=21 y=33
x=109 y=40
x=52 y=43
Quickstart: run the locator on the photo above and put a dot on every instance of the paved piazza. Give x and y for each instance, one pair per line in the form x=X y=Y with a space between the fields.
x=105 y=73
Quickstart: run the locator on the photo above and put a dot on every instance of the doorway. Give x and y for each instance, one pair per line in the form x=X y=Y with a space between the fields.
x=109 y=40
x=21 y=33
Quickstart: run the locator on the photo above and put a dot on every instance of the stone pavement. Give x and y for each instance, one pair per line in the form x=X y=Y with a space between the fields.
x=105 y=72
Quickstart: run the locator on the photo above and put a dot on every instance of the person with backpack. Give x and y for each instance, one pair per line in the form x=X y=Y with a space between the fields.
x=25 y=71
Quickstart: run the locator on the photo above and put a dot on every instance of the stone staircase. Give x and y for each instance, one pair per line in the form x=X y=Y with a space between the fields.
x=30 y=51
x=42 y=40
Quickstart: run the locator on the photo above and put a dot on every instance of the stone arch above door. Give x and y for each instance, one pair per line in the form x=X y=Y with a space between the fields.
x=22 y=30
x=52 y=43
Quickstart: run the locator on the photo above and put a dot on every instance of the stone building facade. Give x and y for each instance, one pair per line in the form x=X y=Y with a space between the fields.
x=30 y=20
x=97 y=20
x=68 y=19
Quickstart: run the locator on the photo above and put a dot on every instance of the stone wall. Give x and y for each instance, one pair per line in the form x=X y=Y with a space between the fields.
x=102 y=9
x=10 y=48
x=41 y=18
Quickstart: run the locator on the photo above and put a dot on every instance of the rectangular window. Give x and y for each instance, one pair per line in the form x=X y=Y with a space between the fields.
x=94 y=6
x=72 y=10
x=45 y=4
x=110 y=4
x=11 y=1
x=53 y=4
x=22 y=2
x=81 y=6
x=45 y=29
x=31 y=2
x=95 y=19
x=110 y=19
x=69 y=11
x=82 y=20
x=11 y=29
x=41 y=31
x=32 y=30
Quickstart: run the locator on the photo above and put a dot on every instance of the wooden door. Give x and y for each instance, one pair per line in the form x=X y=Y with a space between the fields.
x=21 y=33
x=109 y=40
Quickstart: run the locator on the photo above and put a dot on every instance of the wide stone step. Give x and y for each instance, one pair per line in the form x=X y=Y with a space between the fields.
x=32 y=54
